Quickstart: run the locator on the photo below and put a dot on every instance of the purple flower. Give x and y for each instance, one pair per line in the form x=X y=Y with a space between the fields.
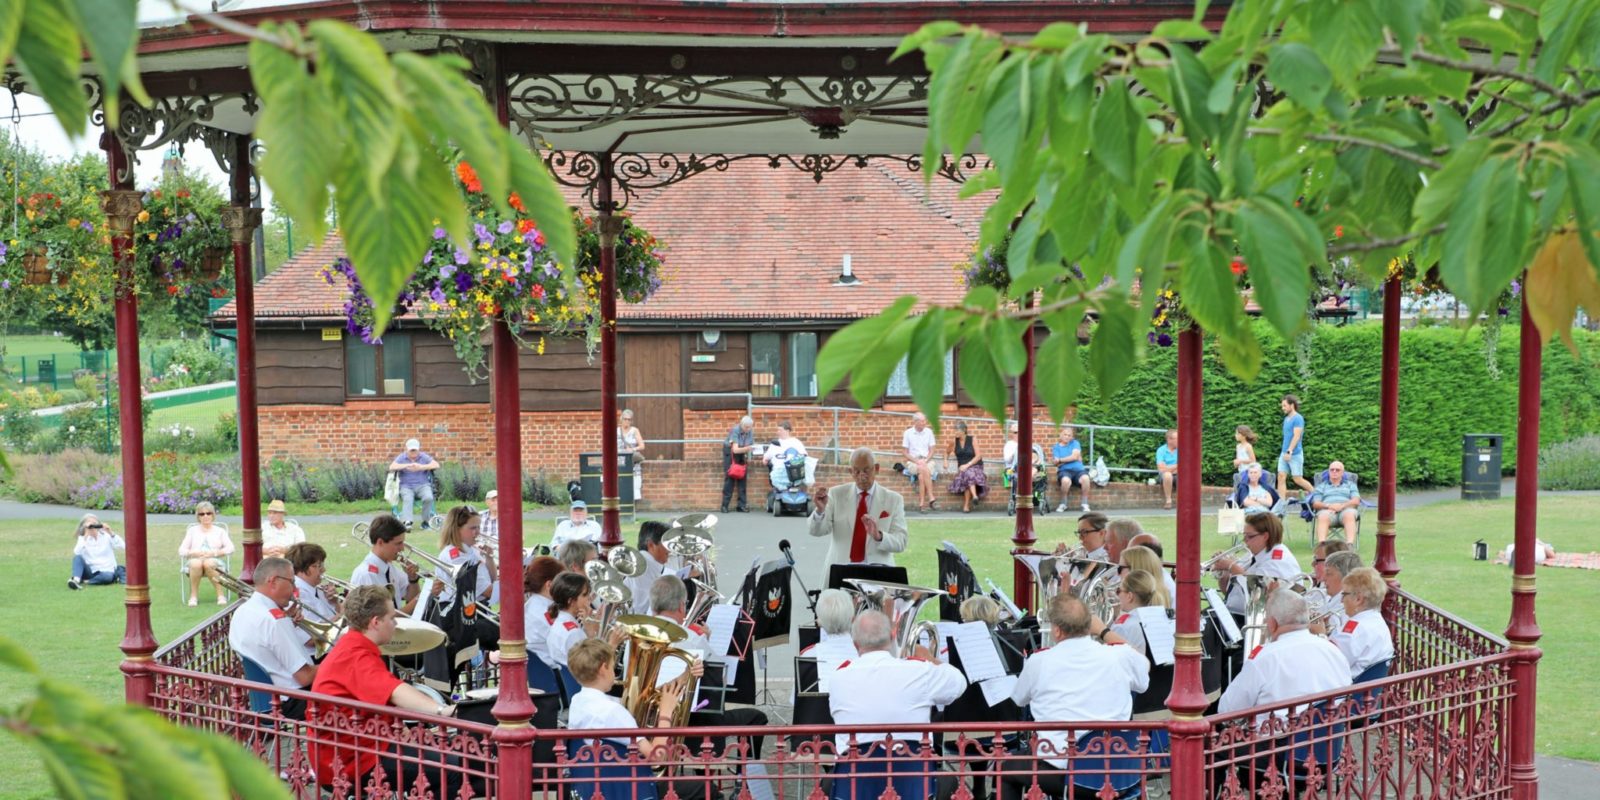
x=439 y=233
x=461 y=258
x=463 y=282
x=482 y=233
x=87 y=225
x=1164 y=340
x=4 y=284
x=428 y=258
x=506 y=227
x=446 y=271
x=437 y=295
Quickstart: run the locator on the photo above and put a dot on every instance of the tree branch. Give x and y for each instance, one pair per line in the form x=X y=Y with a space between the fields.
x=227 y=25
x=1488 y=69
x=1340 y=138
x=1383 y=244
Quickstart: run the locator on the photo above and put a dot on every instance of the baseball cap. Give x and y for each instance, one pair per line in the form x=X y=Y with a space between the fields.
x=493 y=493
x=580 y=504
x=413 y=444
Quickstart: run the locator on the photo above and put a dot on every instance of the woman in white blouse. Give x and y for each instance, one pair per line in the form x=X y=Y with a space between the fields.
x=1364 y=636
x=536 y=580
x=1269 y=557
x=205 y=545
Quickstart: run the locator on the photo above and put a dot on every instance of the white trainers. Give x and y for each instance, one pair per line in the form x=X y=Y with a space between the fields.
x=1085 y=508
x=1061 y=509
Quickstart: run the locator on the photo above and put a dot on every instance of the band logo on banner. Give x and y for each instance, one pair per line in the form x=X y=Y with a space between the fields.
x=765 y=596
x=957 y=582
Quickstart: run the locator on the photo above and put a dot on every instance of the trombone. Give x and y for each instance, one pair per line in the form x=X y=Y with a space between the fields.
x=324 y=634
x=411 y=556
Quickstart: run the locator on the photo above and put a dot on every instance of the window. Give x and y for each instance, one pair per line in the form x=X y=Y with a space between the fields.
x=900 y=384
x=378 y=370
x=783 y=364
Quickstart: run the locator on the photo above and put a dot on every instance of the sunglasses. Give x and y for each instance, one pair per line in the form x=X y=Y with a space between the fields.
x=206 y=514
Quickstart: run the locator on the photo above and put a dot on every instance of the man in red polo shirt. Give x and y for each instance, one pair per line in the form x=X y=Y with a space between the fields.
x=355 y=670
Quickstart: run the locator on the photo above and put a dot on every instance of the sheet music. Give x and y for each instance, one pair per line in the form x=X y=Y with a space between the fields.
x=1005 y=600
x=730 y=670
x=947 y=631
x=997 y=690
x=1159 y=633
x=427 y=595
x=671 y=668
x=720 y=624
x=1230 y=630
x=980 y=657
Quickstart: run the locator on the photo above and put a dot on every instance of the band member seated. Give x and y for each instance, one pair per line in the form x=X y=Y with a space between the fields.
x=669 y=600
x=878 y=688
x=458 y=546
x=576 y=527
x=1339 y=564
x=536 y=581
x=835 y=611
x=593 y=664
x=1143 y=558
x=574 y=554
x=355 y=670
x=1139 y=589
x=1084 y=647
x=1092 y=538
x=1364 y=637
x=315 y=604
x=569 y=612
x=655 y=565
x=1120 y=535
x=1291 y=663
x=1269 y=556
x=864 y=520
x=263 y=631
x=388 y=536
x=1321 y=553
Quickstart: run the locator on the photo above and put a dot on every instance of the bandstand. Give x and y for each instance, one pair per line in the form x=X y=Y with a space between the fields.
x=606 y=89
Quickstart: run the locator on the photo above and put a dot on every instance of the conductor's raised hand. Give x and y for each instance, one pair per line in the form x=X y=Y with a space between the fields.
x=820 y=497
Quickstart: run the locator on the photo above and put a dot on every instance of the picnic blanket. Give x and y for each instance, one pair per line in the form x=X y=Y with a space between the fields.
x=1575 y=560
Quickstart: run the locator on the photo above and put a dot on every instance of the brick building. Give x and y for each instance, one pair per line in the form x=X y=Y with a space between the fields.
x=753 y=289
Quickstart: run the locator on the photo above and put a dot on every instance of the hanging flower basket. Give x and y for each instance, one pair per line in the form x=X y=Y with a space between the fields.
x=36 y=268
x=211 y=264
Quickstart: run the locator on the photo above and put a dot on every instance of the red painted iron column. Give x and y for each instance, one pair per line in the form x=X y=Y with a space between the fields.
x=1188 y=699
x=122 y=204
x=242 y=222
x=1523 y=632
x=610 y=228
x=1023 y=538
x=514 y=736
x=1386 y=562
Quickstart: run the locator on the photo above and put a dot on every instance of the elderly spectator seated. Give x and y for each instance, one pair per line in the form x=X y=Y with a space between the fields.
x=1336 y=500
x=279 y=533
x=1252 y=494
x=786 y=458
x=416 y=470
x=577 y=526
x=1067 y=455
x=918 y=442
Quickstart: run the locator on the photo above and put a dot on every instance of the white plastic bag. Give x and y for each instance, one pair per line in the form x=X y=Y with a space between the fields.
x=1100 y=474
x=391 y=489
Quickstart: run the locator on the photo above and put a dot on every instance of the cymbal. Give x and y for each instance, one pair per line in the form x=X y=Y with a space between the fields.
x=412 y=636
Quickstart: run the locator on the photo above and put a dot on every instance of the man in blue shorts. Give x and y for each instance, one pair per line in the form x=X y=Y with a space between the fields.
x=1292 y=458
x=1067 y=455
x=1167 y=466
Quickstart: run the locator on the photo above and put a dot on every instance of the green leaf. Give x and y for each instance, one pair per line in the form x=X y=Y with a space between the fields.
x=13 y=655
x=1225 y=89
x=1348 y=36
x=177 y=760
x=49 y=57
x=1111 y=348
x=1058 y=373
x=300 y=139
x=1117 y=128
x=454 y=111
x=1182 y=30
x=1445 y=186
x=1583 y=182
x=979 y=376
x=871 y=376
x=1005 y=345
x=927 y=33
x=855 y=342
x=1005 y=120
x=112 y=30
x=356 y=74
x=957 y=89
x=1407 y=19
x=1486 y=30
x=546 y=207
x=1206 y=285
x=1191 y=86
x=925 y=363
x=385 y=231
x=1476 y=261
x=1296 y=69
x=249 y=777
x=1057 y=35
x=76 y=770
x=10 y=25
x=1278 y=266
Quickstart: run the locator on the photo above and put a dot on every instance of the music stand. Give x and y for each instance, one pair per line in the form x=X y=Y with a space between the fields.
x=877 y=573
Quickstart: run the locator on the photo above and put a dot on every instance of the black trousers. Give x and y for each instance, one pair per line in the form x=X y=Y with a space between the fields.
x=728 y=717
x=1018 y=776
x=728 y=483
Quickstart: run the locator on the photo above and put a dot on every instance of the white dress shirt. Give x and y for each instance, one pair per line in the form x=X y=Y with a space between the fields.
x=567 y=530
x=831 y=651
x=1130 y=626
x=1364 y=639
x=264 y=633
x=316 y=604
x=374 y=571
x=918 y=444
x=1172 y=589
x=1275 y=562
x=287 y=536
x=457 y=556
x=537 y=626
x=1080 y=679
x=594 y=710
x=640 y=584
x=879 y=689
x=99 y=550
x=1296 y=663
x=565 y=633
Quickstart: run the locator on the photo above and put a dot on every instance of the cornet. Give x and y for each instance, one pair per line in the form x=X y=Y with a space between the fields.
x=1234 y=553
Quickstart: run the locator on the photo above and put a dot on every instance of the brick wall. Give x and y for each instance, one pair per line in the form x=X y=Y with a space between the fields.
x=375 y=431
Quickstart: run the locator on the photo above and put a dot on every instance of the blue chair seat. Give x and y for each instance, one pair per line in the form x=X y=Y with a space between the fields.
x=872 y=769
x=260 y=701
x=605 y=766
x=1367 y=703
x=541 y=677
x=569 y=685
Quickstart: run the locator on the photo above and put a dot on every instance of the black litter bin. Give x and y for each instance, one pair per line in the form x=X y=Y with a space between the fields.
x=589 y=478
x=47 y=371
x=1480 y=466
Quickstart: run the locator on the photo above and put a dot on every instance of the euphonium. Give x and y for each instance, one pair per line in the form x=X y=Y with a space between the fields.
x=607 y=585
x=322 y=634
x=900 y=603
x=690 y=538
x=650 y=643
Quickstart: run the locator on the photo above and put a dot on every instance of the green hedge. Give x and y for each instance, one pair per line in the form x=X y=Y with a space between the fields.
x=1446 y=390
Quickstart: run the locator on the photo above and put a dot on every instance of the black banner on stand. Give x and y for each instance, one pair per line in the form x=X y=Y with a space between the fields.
x=957 y=582
x=767 y=598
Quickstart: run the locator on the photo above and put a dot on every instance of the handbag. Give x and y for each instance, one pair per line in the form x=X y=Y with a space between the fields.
x=1230 y=520
x=736 y=471
x=391 y=489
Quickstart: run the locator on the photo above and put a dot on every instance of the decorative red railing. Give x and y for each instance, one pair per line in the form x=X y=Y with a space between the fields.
x=1436 y=729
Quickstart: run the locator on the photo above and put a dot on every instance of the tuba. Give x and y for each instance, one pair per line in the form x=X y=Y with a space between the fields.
x=690 y=539
x=901 y=604
x=323 y=635
x=650 y=644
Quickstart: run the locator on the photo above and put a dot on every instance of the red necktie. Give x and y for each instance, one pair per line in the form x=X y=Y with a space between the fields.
x=858 y=542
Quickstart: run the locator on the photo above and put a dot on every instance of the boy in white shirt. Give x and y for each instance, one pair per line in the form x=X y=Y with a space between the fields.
x=593 y=665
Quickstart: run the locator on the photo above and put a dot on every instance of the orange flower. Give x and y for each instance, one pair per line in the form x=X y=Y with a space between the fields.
x=468 y=177
x=516 y=203
x=524 y=225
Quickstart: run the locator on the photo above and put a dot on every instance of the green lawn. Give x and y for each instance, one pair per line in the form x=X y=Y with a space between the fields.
x=74 y=635
x=201 y=416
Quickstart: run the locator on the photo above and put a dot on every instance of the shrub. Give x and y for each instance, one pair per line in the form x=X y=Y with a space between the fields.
x=54 y=477
x=355 y=481
x=306 y=486
x=226 y=433
x=194 y=363
x=1571 y=465
x=175 y=486
x=539 y=490
x=464 y=482
x=20 y=427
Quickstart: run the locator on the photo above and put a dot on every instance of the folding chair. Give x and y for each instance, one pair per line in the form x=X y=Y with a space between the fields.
x=183 y=569
x=1309 y=514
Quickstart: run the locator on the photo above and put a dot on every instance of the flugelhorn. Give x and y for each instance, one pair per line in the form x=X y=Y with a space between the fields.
x=322 y=634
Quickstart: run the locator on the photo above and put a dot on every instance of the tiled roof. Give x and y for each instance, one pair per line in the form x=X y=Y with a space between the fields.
x=752 y=242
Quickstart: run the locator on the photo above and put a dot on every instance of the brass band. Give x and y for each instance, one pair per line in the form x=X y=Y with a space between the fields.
x=252 y=536
x=138 y=593
x=1522 y=584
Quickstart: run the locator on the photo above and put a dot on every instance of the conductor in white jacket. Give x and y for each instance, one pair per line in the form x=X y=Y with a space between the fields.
x=866 y=520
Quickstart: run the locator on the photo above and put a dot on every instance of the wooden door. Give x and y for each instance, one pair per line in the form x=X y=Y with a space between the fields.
x=653 y=364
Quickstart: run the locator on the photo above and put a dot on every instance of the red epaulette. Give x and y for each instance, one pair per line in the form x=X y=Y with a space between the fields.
x=372 y=568
x=698 y=629
x=1277 y=553
x=1255 y=651
x=1121 y=619
x=1350 y=626
x=571 y=626
x=843 y=664
x=277 y=613
x=455 y=552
